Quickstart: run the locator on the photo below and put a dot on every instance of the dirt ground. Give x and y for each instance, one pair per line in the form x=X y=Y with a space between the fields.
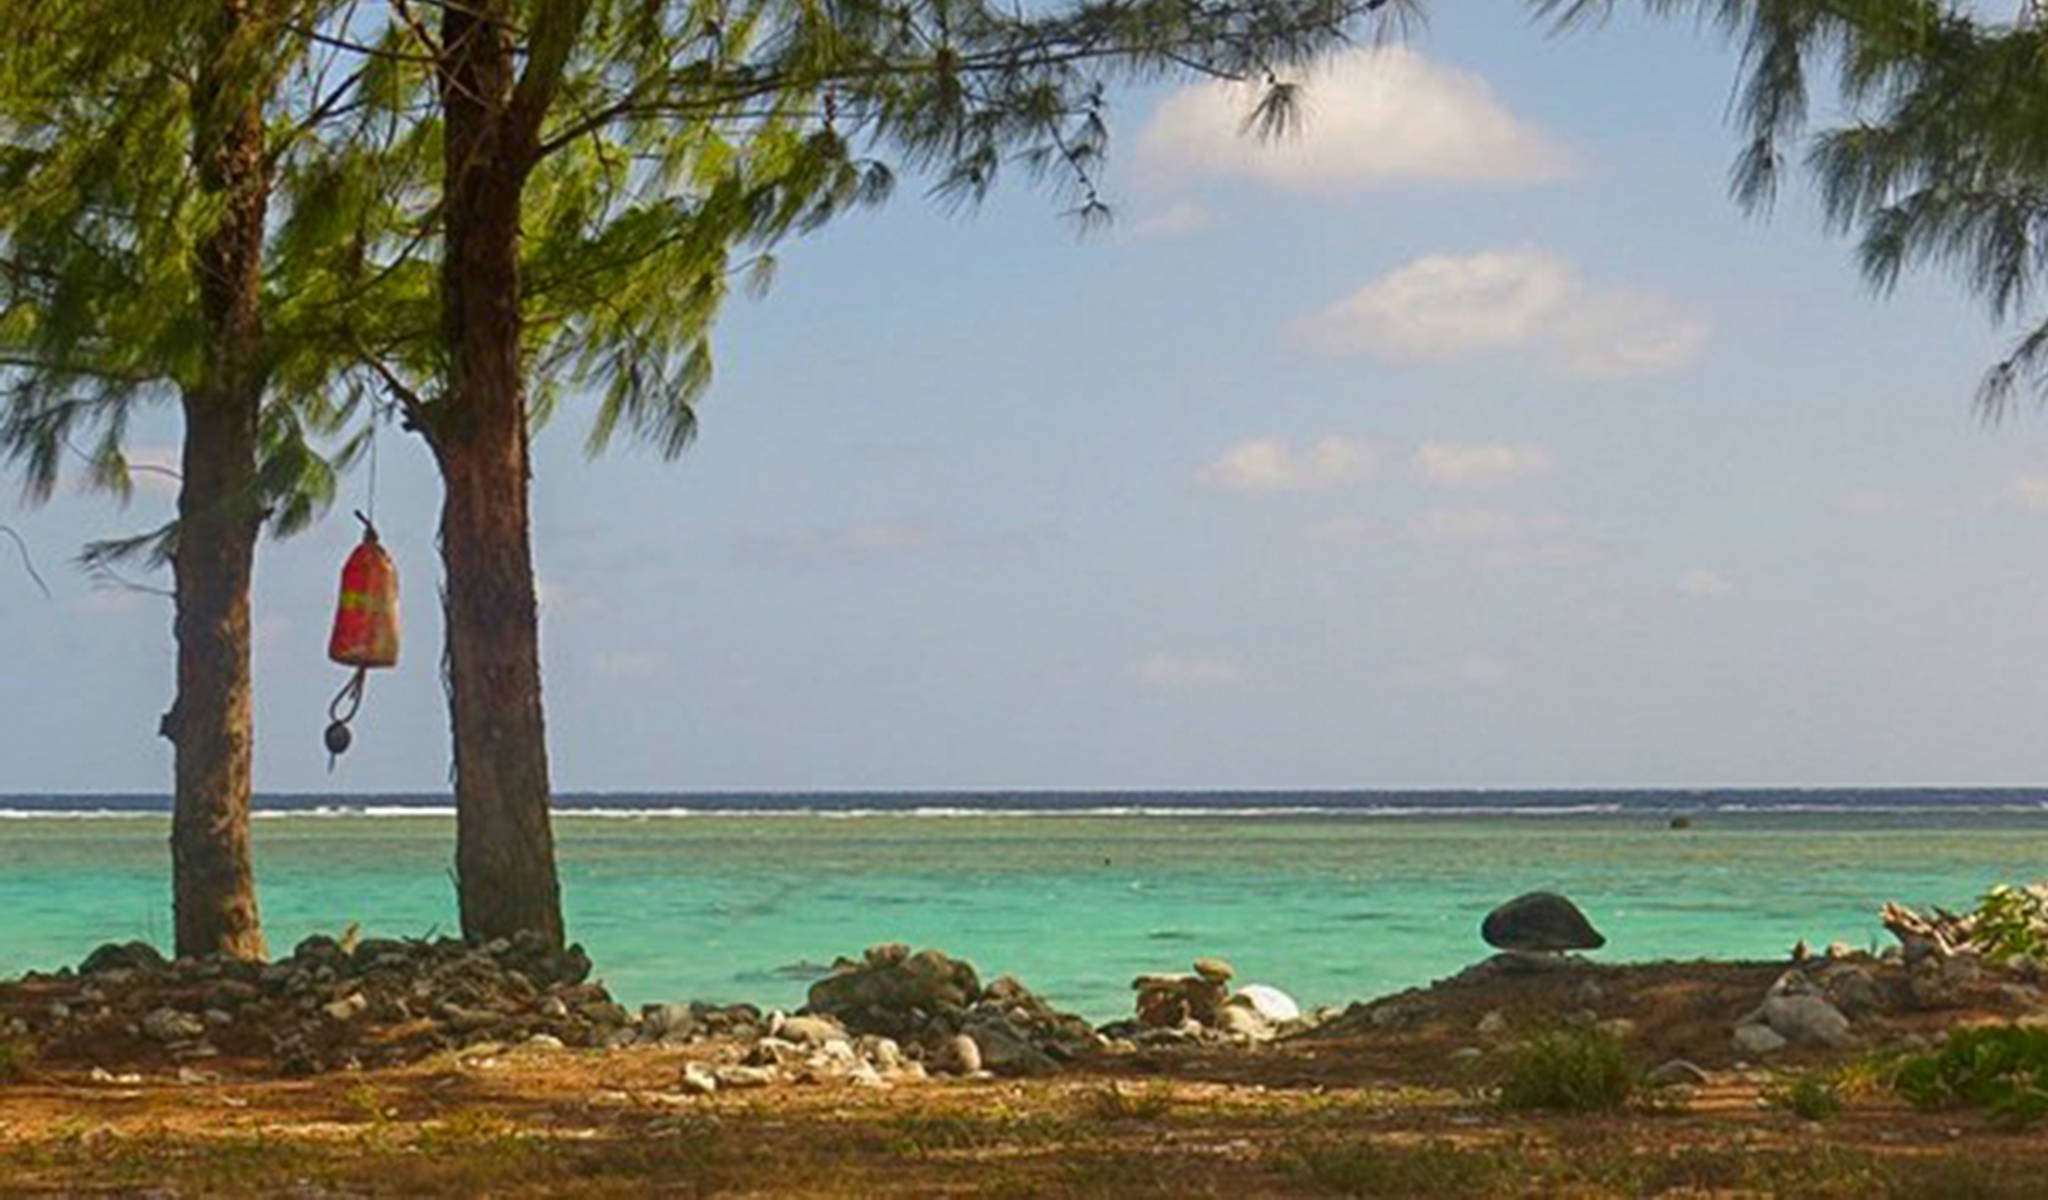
x=1387 y=1108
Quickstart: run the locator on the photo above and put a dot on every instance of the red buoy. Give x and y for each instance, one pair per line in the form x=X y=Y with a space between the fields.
x=366 y=617
x=365 y=631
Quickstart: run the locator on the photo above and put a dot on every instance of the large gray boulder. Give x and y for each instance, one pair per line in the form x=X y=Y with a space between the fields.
x=1540 y=921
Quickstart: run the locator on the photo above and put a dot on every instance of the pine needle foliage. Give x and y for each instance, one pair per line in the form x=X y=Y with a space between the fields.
x=104 y=197
x=671 y=148
x=1940 y=161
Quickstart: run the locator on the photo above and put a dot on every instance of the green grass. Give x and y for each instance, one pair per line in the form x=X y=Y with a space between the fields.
x=17 y=1059
x=1567 y=1071
x=1363 y=1168
x=2002 y=1069
x=1810 y=1097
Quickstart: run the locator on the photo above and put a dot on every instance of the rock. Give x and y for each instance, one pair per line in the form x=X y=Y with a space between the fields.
x=170 y=1025
x=888 y=954
x=1589 y=993
x=1805 y=1020
x=1675 y=1073
x=1467 y=1054
x=123 y=956
x=1524 y=962
x=1541 y=921
x=884 y=1053
x=699 y=1079
x=1006 y=1051
x=545 y=1041
x=809 y=1031
x=347 y=1008
x=318 y=948
x=1269 y=1002
x=1165 y=1001
x=677 y=1021
x=886 y=997
x=1757 y=1040
x=1493 y=1024
x=774 y=1052
x=744 y=1077
x=963 y=1055
x=1620 y=1029
x=1242 y=1020
x=1852 y=988
x=2020 y=995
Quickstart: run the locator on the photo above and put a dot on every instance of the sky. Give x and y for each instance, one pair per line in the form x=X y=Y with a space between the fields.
x=1474 y=438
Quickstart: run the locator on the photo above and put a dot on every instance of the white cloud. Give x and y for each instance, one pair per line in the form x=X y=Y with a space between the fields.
x=1480 y=464
x=1175 y=220
x=1371 y=117
x=1271 y=464
x=1443 y=307
x=1618 y=333
x=1163 y=670
x=1703 y=584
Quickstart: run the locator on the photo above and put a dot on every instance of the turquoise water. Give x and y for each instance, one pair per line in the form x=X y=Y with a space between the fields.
x=1332 y=909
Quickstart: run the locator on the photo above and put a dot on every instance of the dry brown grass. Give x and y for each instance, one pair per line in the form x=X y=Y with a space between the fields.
x=577 y=1124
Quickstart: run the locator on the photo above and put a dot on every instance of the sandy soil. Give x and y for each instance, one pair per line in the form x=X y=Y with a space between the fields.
x=1366 y=1108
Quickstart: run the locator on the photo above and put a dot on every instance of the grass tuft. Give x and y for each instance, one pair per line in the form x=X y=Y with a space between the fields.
x=1810 y=1097
x=16 y=1061
x=2002 y=1069
x=1567 y=1071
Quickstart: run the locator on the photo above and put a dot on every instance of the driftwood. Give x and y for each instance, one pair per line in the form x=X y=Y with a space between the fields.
x=2009 y=920
x=1949 y=933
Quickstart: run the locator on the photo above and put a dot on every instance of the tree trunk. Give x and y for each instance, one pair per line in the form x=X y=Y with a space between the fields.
x=213 y=884
x=504 y=846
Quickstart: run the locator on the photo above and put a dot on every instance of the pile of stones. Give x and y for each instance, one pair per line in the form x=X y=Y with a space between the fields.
x=937 y=1012
x=1201 y=1007
x=332 y=1003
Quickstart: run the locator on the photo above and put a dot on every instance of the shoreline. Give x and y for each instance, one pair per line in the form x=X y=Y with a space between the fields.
x=1397 y=1095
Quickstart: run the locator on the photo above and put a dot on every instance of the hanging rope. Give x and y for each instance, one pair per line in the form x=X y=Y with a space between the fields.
x=340 y=711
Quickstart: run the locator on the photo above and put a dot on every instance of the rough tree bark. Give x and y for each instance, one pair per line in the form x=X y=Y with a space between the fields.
x=213 y=882
x=504 y=845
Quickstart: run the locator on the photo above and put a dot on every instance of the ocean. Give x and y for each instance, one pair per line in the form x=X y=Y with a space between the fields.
x=1330 y=896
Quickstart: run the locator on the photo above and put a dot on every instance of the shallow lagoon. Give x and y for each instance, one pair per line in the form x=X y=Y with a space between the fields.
x=1330 y=908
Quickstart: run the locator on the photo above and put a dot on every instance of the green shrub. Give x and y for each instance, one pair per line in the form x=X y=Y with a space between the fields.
x=2002 y=1069
x=15 y=1060
x=2010 y=921
x=1583 y=1071
x=1808 y=1097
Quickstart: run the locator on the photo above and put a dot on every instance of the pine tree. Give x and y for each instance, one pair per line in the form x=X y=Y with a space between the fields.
x=607 y=166
x=141 y=146
x=494 y=206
